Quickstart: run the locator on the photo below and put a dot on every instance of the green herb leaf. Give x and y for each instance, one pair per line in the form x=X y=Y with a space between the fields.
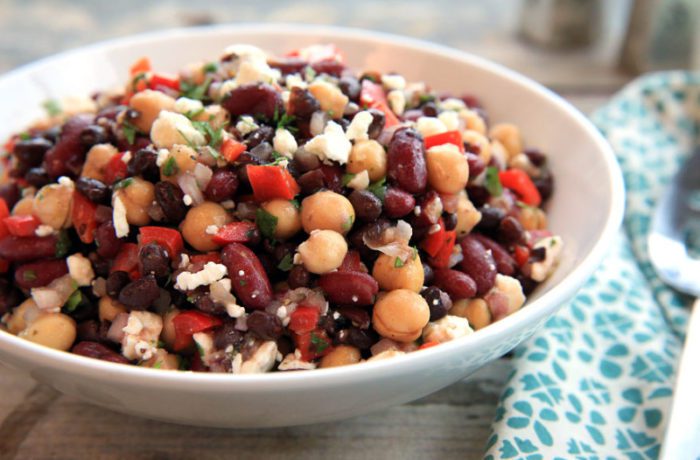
x=309 y=73
x=285 y=122
x=210 y=67
x=425 y=98
x=170 y=167
x=347 y=225
x=319 y=343
x=242 y=283
x=266 y=222
x=129 y=131
x=158 y=365
x=347 y=178
x=296 y=203
x=398 y=263
x=194 y=113
x=135 y=81
x=378 y=188
x=124 y=183
x=62 y=245
x=215 y=136
x=74 y=300
x=193 y=91
x=25 y=136
x=29 y=275
x=286 y=263
x=52 y=107
x=493 y=183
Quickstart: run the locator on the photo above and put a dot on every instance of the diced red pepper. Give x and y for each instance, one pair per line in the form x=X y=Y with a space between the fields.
x=204 y=258
x=234 y=232
x=4 y=212
x=351 y=262
x=521 y=254
x=442 y=258
x=115 y=169
x=518 y=181
x=449 y=137
x=140 y=66
x=168 y=238
x=372 y=95
x=83 y=216
x=23 y=225
x=127 y=260
x=190 y=322
x=433 y=242
x=231 y=149
x=313 y=345
x=428 y=345
x=159 y=80
x=270 y=182
x=303 y=320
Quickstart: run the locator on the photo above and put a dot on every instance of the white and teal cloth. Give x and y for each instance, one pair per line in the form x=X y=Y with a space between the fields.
x=597 y=381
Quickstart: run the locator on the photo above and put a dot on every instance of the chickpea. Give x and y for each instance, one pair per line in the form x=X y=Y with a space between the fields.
x=448 y=170
x=52 y=205
x=162 y=360
x=476 y=311
x=96 y=161
x=479 y=140
x=24 y=207
x=323 y=252
x=532 y=218
x=54 y=330
x=149 y=103
x=327 y=210
x=368 y=155
x=108 y=308
x=182 y=159
x=167 y=335
x=137 y=197
x=509 y=135
x=342 y=355
x=330 y=97
x=391 y=275
x=288 y=218
x=400 y=315
x=22 y=316
x=473 y=121
x=198 y=218
x=467 y=215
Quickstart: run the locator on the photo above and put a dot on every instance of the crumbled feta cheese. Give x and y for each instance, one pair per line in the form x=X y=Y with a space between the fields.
x=294 y=80
x=186 y=281
x=296 y=260
x=397 y=101
x=318 y=123
x=187 y=200
x=450 y=119
x=141 y=335
x=53 y=296
x=66 y=181
x=172 y=128
x=184 y=105
x=245 y=52
x=253 y=71
x=228 y=204
x=393 y=82
x=331 y=145
x=553 y=246
x=211 y=230
x=446 y=329
x=121 y=225
x=184 y=260
x=360 y=181
x=505 y=297
x=126 y=158
x=220 y=292
x=237 y=363
x=357 y=130
x=284 y=142
x=429 y=126
x=44 y=230
x=262 y=360
x=452 y=103
x=246 y=125
x=205 y=345
x=162 y=157
x=80 y=269
x=292 y=363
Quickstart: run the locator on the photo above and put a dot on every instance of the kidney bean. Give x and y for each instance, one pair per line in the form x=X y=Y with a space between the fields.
x=169 y=196
x=349 y=288
x=66 y=157
x=222 y=186
x=248 y=278
x=457 y=284
x=358 y=316
x=367 y=206
x=265 y=325
x=406 y=161
x=298 y=277
x=205 y=303
x=116 y=281
x=39 y=274
x=476 y=165
x=328 y=66
x=93 y=189
x=350 y=86
x=505 y=264
x=302 y=104
x=254 y=99
x=311 y=181
x=108 y=244
x=11 y=194
x=155 y=260
x=545 y=185
x=491 y=218
x=356 y=337
x=227 y=335
x=100 y=265
x=438 y=301
x=28 y=248
x=478 y=263
x=98 y=351
x=536 y=157
x=430 y=211
x=31 y=151
x=287 y=65
x=144 y=164
x=398 y=203
x=511 y=231
x=10 y=297
x=140 y=294
x=93 y=134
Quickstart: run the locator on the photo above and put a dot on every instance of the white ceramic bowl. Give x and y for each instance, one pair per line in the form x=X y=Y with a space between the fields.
x=586 y=211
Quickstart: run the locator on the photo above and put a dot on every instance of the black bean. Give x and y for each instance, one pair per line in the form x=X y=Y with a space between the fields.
x=155 y=260
x=350 y=86
x=263 y=151
x=260 y=135
x=37 y=177
x=429 y=109
x=254 y=99
x=93 y=134
x=491 y=218
x=265 y=325
x=545 y=185
x=284 y=250
x=11 y=194
x=222 y=186
x=298 y=277
x=511 y=231
x=31 y=151
x=10 y=296
x=116 y=282
x=478 y=195
x=355 y=337
x=100 y=265
x=52 y=134
x=89 y=330
x=227 y=335
x=377 y=125
x=93 y=189
x=536 y=157
x=144 y=164
x=450 y=220
x=106 y=240
x=438 y=302
x=428 y=274
x=246 y=210
x=205 y=303
x=476 y=165
x=285 y=345
x=302 y=104
x=538 y=254
x=169 y=197
x=367 y=206
x=140 y=294
x=311 y=181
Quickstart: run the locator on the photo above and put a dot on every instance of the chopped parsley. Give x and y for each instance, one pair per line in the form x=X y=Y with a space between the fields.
x=242 y=283
x=170 y=167
x=158 y=365
x=129 y=131
x=266 y=222
x=277 y=158
x=52 y=107
x=493 y=183
x=398 y=263
x=210 y=67
x=319 y=343
x=194 y=113
x=193 y=91
x=62 y=245
x=378 y=188
x=124 y=183
x=29 y=275
x=25 y=136
x=296 y=203
x=141 y=76
x=285 y=121
x=347 y=225
x=74 y=300
x=425 y=98
x=215 y=136
x=309 y=73
x=347 y=178
x=286 y=263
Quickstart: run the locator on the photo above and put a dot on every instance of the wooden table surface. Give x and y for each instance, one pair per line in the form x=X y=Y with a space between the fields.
x=38 y=422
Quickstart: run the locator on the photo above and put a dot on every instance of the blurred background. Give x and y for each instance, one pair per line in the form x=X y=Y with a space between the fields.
x=582 y=49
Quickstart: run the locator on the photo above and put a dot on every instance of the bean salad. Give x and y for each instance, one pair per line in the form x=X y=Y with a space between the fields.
x=263 y=213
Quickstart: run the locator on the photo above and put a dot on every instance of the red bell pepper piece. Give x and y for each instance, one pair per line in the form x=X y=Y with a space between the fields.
x=115 y=169
x=204 y=258
x=23 y=225
x=159 y=80
x=430 y=344
x=442 y=258
x=141 y=65
x=234 y=232
x=433 y=242
x=518 y=181
x=190 y=322
x=303 y=320
x=521 y=254
x=372 y=95
x=4 y=212
x=271 y=181
x=449 y=137
x=127 y=260
x=83 y=215
x=231 y=149
x=312 y=345
x=168 y=238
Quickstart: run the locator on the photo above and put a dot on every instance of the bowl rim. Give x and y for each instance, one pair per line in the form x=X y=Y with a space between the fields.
x=536 y=311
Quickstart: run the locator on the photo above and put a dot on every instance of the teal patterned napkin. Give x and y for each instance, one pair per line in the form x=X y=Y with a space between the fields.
x=597 y=380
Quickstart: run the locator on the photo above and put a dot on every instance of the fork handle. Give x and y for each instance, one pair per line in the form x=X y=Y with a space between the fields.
x=683 y=430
